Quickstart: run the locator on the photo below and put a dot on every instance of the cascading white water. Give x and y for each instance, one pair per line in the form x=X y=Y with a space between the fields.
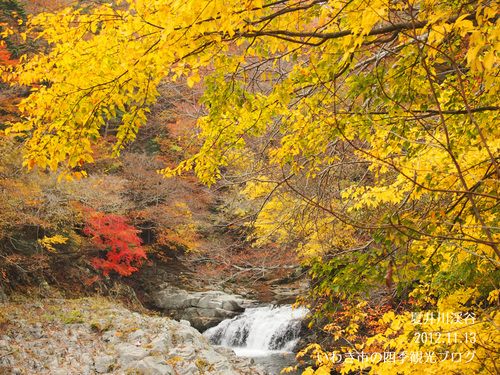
x=260 y=331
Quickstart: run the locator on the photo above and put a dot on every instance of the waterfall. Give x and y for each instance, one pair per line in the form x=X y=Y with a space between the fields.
x=260 y=331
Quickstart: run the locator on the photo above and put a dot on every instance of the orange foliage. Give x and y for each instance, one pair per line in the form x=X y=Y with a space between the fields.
x=5 y=57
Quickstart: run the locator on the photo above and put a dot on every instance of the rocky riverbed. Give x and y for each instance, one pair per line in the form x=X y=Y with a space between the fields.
x=96 y=336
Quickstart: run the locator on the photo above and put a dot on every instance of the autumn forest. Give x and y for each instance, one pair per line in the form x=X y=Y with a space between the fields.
x=225 y=144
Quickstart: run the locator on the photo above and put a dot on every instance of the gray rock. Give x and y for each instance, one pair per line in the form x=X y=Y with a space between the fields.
x=86 y=359
x=104 y=363
x=60 y=372
x=160 y=345
x=170 y=298
x=153 y=366
x=206 y=312
x=190 y=311
x=190 y=368
x=223 y=351
x=110 y=336
x=209 y=301
x=37 y=333
x=212 y=356
x=137 y=335
x=186 y=353
x=85 y=370
x=231 y=305
x=221 y=313
x=128 y=353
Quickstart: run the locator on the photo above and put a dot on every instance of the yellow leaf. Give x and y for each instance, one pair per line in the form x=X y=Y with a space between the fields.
x=489 y=59
x=93 y=27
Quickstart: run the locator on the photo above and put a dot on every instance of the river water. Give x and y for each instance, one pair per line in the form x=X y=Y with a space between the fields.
x=268 y=334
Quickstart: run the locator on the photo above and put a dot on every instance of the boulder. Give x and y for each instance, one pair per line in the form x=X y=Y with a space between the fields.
x=171 y=298
x=202 y=309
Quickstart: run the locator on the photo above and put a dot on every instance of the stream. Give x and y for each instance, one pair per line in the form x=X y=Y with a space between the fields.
x=268 y=334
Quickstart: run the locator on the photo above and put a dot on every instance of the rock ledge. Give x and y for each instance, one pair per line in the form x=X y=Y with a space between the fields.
x=202 y=309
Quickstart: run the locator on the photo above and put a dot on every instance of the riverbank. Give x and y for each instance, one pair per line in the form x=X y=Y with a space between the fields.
x=98 y=336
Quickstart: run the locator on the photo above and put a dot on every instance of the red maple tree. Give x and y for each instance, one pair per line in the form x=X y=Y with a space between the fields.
x=111 y=233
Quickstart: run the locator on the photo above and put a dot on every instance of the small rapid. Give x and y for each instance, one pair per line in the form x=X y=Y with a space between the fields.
x=264 y=333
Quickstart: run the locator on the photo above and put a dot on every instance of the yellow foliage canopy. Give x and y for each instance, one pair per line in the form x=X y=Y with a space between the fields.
x=378 y=119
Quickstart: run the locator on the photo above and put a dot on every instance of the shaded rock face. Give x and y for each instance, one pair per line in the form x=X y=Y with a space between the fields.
x=202 y=309
x=84 y=337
